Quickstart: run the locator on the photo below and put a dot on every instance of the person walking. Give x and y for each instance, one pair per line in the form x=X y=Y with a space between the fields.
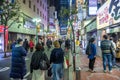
x=106 y=53
x=49 y=44
x=18 y=68
x=26 y=45
x=57 y=59
x=31 y=45
x=13 y=44
x=38 y=55
x=67 y=44
x=113 y=52
x=92 y=55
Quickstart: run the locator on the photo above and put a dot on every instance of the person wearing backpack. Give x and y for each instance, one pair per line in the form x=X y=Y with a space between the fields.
x=106 y=46
x=56 y=61
x=91 y=54
x=36 y=66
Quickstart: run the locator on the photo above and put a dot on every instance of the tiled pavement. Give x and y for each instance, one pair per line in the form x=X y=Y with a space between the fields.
x=99 y=75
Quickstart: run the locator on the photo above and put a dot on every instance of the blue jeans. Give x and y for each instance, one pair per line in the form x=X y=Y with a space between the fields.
x=57 y=71
x=107 y=58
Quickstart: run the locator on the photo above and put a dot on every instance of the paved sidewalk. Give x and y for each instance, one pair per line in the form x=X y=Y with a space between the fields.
x=99 y=75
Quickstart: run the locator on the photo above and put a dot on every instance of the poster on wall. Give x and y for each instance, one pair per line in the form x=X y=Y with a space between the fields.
x=108 y=14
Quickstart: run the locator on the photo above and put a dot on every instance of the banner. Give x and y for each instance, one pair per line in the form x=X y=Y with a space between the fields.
x=108 y=14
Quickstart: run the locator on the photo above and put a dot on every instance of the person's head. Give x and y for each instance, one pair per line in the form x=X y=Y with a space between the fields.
x=105 y=37
x=56 y=44
x=111 y=38
x=92 y=40
x=20 y=41
x=39 y=47
x=25 y=39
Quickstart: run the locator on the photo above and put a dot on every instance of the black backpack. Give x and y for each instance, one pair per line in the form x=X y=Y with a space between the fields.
x=43 y=63
x=88 y=49
x=38 y=61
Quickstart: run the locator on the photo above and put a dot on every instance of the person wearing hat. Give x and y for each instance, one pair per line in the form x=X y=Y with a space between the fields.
x=57 y=59
x=18 y=68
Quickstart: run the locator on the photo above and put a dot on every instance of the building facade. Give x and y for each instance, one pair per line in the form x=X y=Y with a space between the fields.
x=26 y=27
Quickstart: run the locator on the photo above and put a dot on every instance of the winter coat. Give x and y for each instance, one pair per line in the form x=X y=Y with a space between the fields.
x=26 y=45
x=35 y=60
x=67 y=43
x=12 y=45
x=93 y=51
x=57 y=56
x=18 y=68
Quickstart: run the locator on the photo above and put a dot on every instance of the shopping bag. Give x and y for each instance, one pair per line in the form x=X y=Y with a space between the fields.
x=65 y=63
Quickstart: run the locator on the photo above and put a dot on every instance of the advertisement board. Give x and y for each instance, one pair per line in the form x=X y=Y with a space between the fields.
x=92 y=7
x=108 y=14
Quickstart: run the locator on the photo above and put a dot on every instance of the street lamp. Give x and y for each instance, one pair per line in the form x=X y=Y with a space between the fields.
x=37 y=21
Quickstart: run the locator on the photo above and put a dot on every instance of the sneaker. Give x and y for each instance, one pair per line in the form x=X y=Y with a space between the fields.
x=110 y=71
x=104 y=71
x=114 y=66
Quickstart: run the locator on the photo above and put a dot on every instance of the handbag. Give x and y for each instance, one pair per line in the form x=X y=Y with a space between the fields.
x=65 y=63
x=49 y=72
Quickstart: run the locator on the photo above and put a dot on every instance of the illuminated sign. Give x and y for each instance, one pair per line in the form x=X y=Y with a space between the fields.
x=92 y=7
x=108 y=14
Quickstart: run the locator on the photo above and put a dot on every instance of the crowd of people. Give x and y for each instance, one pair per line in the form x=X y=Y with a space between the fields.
x=110 y=51
x=39 y=60
x=54 y=64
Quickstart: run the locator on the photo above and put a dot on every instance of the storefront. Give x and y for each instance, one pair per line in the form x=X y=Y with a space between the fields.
x=108 y=19
x=114 y=32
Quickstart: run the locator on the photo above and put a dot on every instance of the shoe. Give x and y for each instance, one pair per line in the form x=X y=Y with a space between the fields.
x=114 y=66
x=104 y=71
x=93 y=71
x=110 y=71
x=89 y=70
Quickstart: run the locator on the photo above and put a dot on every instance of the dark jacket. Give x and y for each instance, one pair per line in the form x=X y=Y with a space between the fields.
x=26 y=45
x=18 y=68
x=67 y=43
x=106 y=46
x=57 y=56
x=93 y=51
x=12 y=45
x=35 y=60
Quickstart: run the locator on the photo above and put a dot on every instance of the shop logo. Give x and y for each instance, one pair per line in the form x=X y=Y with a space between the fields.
x=114 y=9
